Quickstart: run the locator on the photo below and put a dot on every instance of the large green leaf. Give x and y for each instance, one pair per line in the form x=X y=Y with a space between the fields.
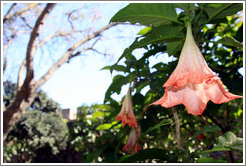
x=161 y=34
x=118 y=82
x=185 y=6
x=217 y=12
x=174 y=47
x=230 y=41
x=147 y=14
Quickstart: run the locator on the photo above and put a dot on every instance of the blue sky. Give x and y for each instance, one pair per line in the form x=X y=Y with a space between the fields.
x=80 y=82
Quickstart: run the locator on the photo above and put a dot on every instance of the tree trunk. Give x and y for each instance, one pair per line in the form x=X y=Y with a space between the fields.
x=27 y=92
x=14 y=111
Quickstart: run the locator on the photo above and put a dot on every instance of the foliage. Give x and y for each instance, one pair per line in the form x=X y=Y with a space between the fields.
x=218 y=36
x=41 y=101
x=40 y=127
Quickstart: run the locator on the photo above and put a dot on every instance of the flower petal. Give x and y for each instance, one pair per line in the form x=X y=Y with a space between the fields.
x=217 y=94
x=196 y=96
x=133 y=137
x=126 y=114
x=193 y=83
x=191 y=67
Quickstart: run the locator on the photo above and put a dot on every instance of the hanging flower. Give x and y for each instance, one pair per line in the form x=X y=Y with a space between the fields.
x=126 y=114
x=133 y=137
x=193 y=83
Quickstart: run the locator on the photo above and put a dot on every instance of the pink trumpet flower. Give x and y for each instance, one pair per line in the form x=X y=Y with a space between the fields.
x=126 y=114
x=133 y=137
x=193 y=83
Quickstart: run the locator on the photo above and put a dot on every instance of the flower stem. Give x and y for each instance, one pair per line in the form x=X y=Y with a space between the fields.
x=177 y=127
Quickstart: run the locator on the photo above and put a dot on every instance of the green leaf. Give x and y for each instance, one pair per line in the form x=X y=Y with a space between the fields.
x=144 y=31
x=174 y=47
x=147 y=14
x=230 y=137
x=162 y=123
x=104 y=126
x=215 y=150
x=140 y=85
x=161 y=34
x=101 y=107
x=230 y=41
x=105 y=68
x=209 y=160
x=188 y=7
x=118 y=82
x=227 y=142
x=218 y=11
x=206 y=129
x=153 y=153
x=115 y=67
x=221 y=141
x=97 y=114
x=239 y=34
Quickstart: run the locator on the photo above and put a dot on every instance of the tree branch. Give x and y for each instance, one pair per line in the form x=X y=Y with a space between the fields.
x=27 y=92
x=20 y=76
x=78 y=53
x=33 y=39
x=25 y=21
x=45 y=40
x=69 y=53
x=31 y=5
x=6 y=17
x=9 y=41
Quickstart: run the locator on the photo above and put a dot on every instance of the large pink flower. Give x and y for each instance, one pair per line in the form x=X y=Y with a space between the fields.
x=133 y=137
x=126 y=114
x=193 y=83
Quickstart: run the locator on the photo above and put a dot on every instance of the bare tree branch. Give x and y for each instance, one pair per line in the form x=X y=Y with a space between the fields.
x=31 y=5
x=45 y=40
x=95 y=50
x=69 y=53
x=33 y=39
x=78 y=53
x=70 y=17
x=20 y=75
x=6 y=17
x=95 y=17
x=26 y=23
